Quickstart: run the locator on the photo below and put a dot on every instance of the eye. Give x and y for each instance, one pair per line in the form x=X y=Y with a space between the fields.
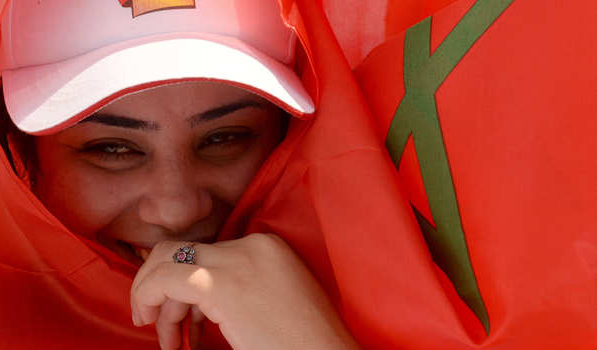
x=111 y=151
x=116 y=149
x=226 y=143
x=223 y=137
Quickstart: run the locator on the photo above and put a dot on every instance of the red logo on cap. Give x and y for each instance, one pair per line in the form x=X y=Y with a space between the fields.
x=141 y=7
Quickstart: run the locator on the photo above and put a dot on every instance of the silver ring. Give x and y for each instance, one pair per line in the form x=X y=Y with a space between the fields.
x=184 y=255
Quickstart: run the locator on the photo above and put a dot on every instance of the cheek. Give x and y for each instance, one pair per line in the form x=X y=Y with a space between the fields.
x=82 y=200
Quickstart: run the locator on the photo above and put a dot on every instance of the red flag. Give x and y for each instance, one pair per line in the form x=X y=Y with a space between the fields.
x=361 y=25
x=484 y=108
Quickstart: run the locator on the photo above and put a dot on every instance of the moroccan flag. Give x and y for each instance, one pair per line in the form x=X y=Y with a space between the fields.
x=360 y=26
x=486 y=110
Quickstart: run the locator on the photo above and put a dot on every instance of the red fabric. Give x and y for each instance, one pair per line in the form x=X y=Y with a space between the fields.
x=361 y=25
x=516 y=118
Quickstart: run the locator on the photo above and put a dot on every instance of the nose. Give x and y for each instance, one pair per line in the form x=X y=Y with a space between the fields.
x=174 y=198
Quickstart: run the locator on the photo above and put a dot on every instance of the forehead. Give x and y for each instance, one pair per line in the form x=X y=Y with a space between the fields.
x=180 y=99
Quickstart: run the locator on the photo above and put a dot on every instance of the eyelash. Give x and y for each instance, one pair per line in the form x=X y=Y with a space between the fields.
x=225 y=138
x=102 y=152
x=109 y=151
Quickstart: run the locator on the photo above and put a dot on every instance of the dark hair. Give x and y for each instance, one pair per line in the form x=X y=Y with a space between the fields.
x=18 y=146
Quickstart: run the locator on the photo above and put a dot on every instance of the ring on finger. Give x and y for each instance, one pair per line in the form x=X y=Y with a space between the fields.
x=184 y=255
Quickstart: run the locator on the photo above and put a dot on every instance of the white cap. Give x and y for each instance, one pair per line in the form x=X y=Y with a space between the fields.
x=62 y=60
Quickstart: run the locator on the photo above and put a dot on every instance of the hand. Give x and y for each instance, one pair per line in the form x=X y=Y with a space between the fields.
x=255 y=288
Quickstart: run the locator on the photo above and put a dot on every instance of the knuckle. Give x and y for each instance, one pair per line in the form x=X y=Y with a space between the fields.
x=162 y=245
x=159 y=272
x=162 y=270
x=271 y=246
x=244 y=257
x=275 y=239
x=241 y=279
x=264 y=241
x=260 y=251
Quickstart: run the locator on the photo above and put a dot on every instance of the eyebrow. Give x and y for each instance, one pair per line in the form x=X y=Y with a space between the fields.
x=224 y=110
x=120 y=121
x=137 y=124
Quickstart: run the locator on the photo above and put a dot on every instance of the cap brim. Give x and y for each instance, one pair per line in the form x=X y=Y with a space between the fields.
x=47 y=98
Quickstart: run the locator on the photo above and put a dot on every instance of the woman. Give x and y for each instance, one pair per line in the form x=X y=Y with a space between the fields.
x=150 y=123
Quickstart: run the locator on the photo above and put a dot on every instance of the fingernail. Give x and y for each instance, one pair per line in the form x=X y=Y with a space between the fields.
x=136 y=320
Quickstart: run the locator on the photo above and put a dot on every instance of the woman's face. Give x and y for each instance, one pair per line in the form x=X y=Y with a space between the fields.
x=167 y=163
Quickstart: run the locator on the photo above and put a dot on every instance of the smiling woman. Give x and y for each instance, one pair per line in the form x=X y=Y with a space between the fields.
x=140 y=137
x=164 y=163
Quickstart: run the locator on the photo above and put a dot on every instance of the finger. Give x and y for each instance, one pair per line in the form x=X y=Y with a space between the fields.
x=195 y=329
x=149 y=315
x=168 y=324
x=162 y=253
x=189 y=284
x=219 y=256
x=197 y=315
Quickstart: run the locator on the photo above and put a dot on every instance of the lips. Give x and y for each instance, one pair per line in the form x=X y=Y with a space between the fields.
x=135 y=254
x=142 y=253
x=127 y=252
